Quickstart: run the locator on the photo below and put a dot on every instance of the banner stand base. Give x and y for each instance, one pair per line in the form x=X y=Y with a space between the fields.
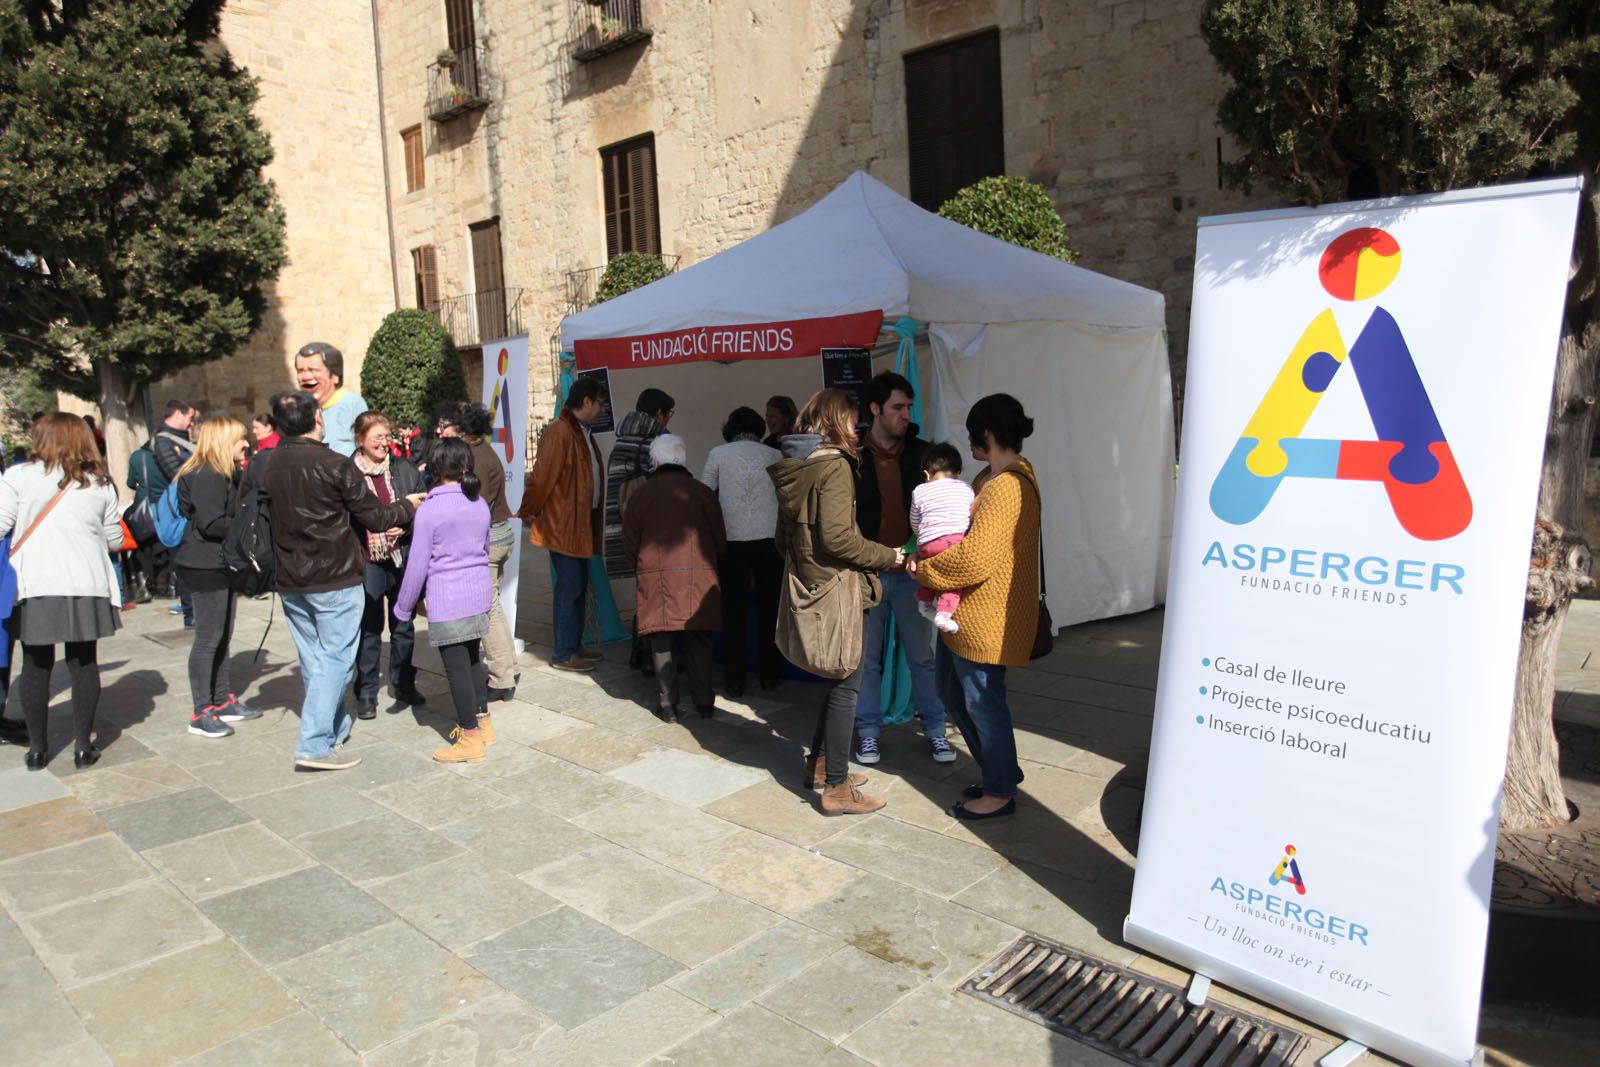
x=1344 y=1055
x=1200 y=988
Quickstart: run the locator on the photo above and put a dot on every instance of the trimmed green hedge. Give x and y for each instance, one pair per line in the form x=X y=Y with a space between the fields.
x=411 y=368
x=1012 y=209
x=626 y=272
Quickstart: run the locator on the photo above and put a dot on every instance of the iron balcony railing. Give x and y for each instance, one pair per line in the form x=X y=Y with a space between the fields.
x=473 y=318
x=582 y=284
x=600 y=27
x=456 y=87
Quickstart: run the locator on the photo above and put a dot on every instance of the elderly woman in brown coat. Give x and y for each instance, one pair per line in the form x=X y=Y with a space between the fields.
x=672 y=534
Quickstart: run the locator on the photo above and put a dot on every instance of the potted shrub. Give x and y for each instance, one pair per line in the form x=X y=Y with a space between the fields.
x=610 y=28
x=1012 y=209
x=445 y=60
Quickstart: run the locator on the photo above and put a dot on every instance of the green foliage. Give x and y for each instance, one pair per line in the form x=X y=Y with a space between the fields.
x=411 y=368
x=1012 y=209
x=1333 y=99
x=132 y=204
x=22 y=394
x=628 y=271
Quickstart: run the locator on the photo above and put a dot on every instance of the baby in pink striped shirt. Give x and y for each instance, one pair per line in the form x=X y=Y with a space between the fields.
x=941 y=515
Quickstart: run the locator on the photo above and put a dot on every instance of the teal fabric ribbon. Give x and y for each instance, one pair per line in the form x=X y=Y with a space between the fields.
x=602 y=623
x=896 y=694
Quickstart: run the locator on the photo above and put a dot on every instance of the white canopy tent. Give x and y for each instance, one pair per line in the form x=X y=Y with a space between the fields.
x=1085 y=353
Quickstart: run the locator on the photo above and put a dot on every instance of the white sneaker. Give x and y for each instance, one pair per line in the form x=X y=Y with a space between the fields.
x=946 y=623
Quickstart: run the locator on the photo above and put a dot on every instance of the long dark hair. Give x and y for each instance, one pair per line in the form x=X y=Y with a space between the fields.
x=450 y=460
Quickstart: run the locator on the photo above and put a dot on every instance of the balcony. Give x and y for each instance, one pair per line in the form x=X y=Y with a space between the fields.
x=456 y=84
x=473 y=318
x=582 y=284
x=600 y=27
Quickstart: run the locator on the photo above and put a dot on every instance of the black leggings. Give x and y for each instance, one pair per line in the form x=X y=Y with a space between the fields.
x=836 y=725
x=34 y=684
x=469 y=681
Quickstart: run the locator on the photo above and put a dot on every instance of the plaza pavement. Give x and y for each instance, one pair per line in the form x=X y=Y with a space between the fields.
x=605 y=889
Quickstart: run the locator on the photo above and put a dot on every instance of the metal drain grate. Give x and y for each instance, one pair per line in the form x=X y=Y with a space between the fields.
x=1131 y=1016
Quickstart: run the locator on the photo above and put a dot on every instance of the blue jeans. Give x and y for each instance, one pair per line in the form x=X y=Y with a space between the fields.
x=326 y=628
x=975 y=693
x=916 y=637
x=572 y=586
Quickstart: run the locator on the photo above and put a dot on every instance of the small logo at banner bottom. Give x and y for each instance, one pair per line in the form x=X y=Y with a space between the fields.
x=1288 y=870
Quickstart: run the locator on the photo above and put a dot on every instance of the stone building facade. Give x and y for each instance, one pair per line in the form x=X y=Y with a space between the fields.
x=755 y=108
x=758 y=109
x=318 y=77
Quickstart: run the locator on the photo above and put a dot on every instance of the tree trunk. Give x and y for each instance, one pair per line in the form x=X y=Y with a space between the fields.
x=1533 y=797
x=123 y=432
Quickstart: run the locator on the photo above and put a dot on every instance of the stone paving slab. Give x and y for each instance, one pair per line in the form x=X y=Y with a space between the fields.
x=605 y=890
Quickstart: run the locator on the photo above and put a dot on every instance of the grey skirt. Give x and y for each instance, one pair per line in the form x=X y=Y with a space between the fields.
x=55 y=620
x=471 y=628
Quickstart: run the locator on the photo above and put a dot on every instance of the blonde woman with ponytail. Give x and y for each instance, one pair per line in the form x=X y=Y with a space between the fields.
x=208 y=496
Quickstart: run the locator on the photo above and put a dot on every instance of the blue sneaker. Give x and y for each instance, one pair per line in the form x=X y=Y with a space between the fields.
x=867 y=751
x=942 y=752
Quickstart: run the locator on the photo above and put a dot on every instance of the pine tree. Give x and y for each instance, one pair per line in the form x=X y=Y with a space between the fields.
x=1346 y=99
x=136 y=228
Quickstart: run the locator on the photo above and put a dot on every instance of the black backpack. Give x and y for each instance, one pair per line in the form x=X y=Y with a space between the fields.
x=247 y=546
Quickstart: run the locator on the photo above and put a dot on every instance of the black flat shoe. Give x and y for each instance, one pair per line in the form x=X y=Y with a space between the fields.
x=972 y=792
x=367 y=709
x=960 y=811
x=37 y=760
x=735 y=690
x=666 y=714
x=13 y=732
x=706 y=710
x=86 y=759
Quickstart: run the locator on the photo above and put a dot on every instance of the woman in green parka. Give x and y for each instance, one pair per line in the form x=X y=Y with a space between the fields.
x=818 y=535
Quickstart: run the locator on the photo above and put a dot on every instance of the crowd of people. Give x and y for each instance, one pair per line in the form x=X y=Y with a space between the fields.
x=800 y=538
x=829 y=533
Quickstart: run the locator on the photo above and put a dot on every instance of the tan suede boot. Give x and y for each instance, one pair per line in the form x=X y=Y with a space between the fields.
x=815 y=775
x=486 y=728
x=465 y=748
x=846 y=799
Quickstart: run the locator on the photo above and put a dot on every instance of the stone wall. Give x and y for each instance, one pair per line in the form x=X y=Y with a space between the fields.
x=759 y=109
x=315 y=62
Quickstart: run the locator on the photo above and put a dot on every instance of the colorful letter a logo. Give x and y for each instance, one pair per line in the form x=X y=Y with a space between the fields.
x=1288 y=871
x=1410 y=457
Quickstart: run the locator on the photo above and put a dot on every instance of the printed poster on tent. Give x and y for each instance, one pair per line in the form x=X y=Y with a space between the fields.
x=505 y=394
x=1368 y=388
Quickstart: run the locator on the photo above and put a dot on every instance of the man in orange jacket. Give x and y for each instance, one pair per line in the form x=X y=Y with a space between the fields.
x=562 y=505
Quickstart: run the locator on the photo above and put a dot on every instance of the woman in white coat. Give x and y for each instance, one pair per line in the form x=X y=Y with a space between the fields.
x=62 y=514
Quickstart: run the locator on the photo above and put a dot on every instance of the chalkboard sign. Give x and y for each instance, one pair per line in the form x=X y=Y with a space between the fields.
x=849 y=369
x=605 y=422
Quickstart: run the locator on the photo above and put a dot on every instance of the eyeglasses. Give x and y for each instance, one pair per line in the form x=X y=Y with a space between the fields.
x=377 y=438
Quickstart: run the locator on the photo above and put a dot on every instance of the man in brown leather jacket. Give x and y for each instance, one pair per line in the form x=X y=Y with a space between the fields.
x=315 y=494
x=561 y=504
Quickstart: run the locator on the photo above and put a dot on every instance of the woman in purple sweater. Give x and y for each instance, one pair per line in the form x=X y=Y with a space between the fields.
x=449 y=562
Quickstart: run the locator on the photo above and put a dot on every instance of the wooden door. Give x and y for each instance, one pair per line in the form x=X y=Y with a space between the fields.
x=488 y=274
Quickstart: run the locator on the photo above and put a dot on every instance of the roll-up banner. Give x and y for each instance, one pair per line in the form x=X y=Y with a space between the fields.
x=505 y=394
x=1368 y=388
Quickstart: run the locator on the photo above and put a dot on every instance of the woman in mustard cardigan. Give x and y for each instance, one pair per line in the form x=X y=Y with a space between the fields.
x=997 y=568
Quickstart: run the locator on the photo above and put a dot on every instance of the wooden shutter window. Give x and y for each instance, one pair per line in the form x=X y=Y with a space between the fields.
x=424 y=269
x=416 y=177
x=632 y=207
x=460 y=30
x=955 y=126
